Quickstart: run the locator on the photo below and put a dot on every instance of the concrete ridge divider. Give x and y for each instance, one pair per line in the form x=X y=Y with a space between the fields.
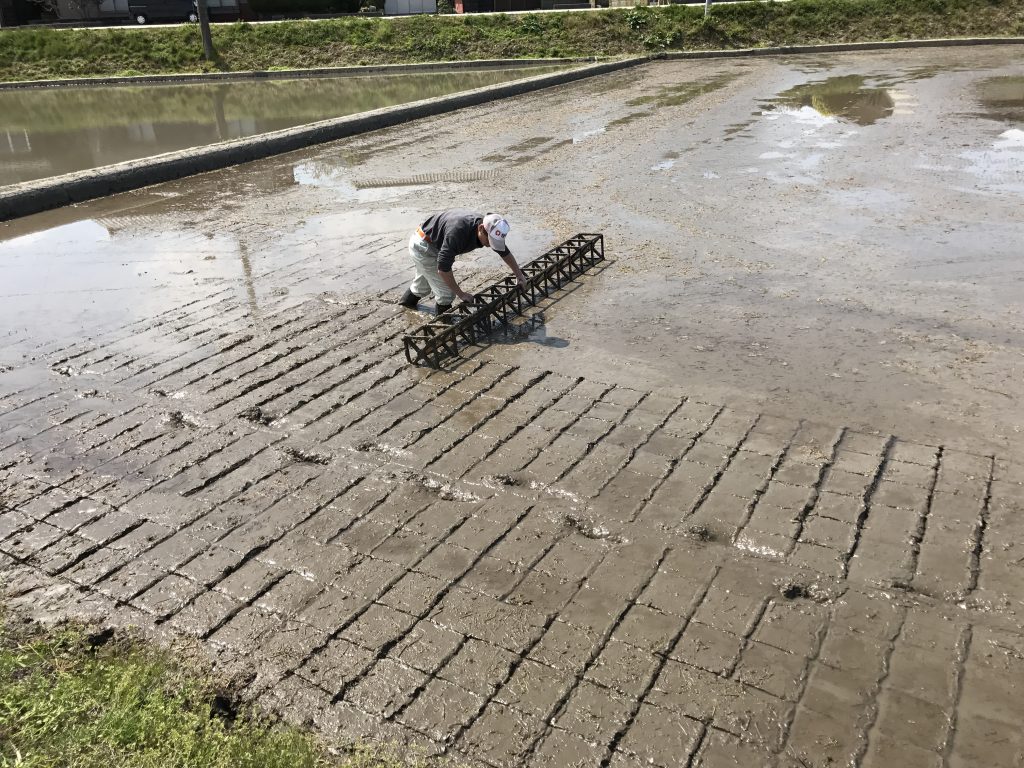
x=53 y=192
x=939 y=42
x=297 y=74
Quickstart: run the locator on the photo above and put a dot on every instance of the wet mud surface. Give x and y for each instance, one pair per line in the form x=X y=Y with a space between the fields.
x=749 y=493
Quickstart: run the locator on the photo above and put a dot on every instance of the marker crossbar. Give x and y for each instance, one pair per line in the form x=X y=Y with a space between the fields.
x=498 y=304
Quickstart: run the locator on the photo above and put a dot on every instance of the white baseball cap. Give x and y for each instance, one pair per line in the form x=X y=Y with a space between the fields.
x=497 y=229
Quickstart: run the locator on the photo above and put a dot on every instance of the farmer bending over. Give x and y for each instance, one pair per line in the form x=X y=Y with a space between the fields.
x=434 y=246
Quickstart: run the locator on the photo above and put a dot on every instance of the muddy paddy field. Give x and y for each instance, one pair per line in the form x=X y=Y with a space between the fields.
x=747 y=494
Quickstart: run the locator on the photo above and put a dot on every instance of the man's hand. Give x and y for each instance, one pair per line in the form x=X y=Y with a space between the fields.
x=449 y=279
x=510 y=262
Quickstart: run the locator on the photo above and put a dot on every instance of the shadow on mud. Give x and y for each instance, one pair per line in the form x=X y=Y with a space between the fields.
x=531 y=330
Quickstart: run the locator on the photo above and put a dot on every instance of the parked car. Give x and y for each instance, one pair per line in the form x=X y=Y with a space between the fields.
x=154 y=11
x=172 y=11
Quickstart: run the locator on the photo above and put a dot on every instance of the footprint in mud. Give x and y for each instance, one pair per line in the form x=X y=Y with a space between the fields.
x=308 y=457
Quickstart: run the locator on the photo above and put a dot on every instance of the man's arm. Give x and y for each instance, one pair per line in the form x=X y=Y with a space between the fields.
x=510 y=261
x=445 y=261
x=449 y=280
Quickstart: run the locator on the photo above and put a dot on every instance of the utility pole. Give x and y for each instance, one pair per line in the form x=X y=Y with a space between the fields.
x=707 y=8
x=204 y=30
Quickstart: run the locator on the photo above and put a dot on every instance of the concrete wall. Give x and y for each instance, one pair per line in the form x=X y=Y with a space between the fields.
x=404 y=7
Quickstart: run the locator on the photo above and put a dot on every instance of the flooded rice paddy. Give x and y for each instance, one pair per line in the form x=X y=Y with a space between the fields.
x=52 y=131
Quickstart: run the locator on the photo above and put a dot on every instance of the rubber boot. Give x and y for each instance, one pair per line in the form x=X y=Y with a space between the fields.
x=409 y=299
x=442 y=308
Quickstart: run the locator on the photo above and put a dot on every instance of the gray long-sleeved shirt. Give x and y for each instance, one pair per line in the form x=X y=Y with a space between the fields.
x=453 y=232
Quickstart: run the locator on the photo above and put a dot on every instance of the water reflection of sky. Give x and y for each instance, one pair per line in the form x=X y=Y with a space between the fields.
x=47 y=132
x=339 y=179
x=845 y=98
x=795 y=142
x=88 y=275
x=93 y=273
x=1000 y=166
x=801 y=125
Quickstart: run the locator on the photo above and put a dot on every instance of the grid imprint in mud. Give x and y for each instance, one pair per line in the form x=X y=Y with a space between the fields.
x=512 y=566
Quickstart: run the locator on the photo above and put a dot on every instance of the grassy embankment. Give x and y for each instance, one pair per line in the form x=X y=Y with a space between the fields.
x=29 y=54
x=66 y=701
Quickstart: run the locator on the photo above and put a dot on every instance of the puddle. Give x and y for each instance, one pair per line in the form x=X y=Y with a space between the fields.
x=517 y=149
x=681 y=93
x=136 y=263
x=664 y=96
x=375 y=222
x=528 y=144
x=841 y=98
x=47 y=132
x=523 y=159
x=731 y=131
x=526 y=151
x=327 y=175
x=627 y=119
x=1003 y=98
x=81 y=274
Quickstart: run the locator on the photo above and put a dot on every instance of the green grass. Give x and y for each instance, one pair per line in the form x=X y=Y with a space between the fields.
x=29 y=54
x=120 y=705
